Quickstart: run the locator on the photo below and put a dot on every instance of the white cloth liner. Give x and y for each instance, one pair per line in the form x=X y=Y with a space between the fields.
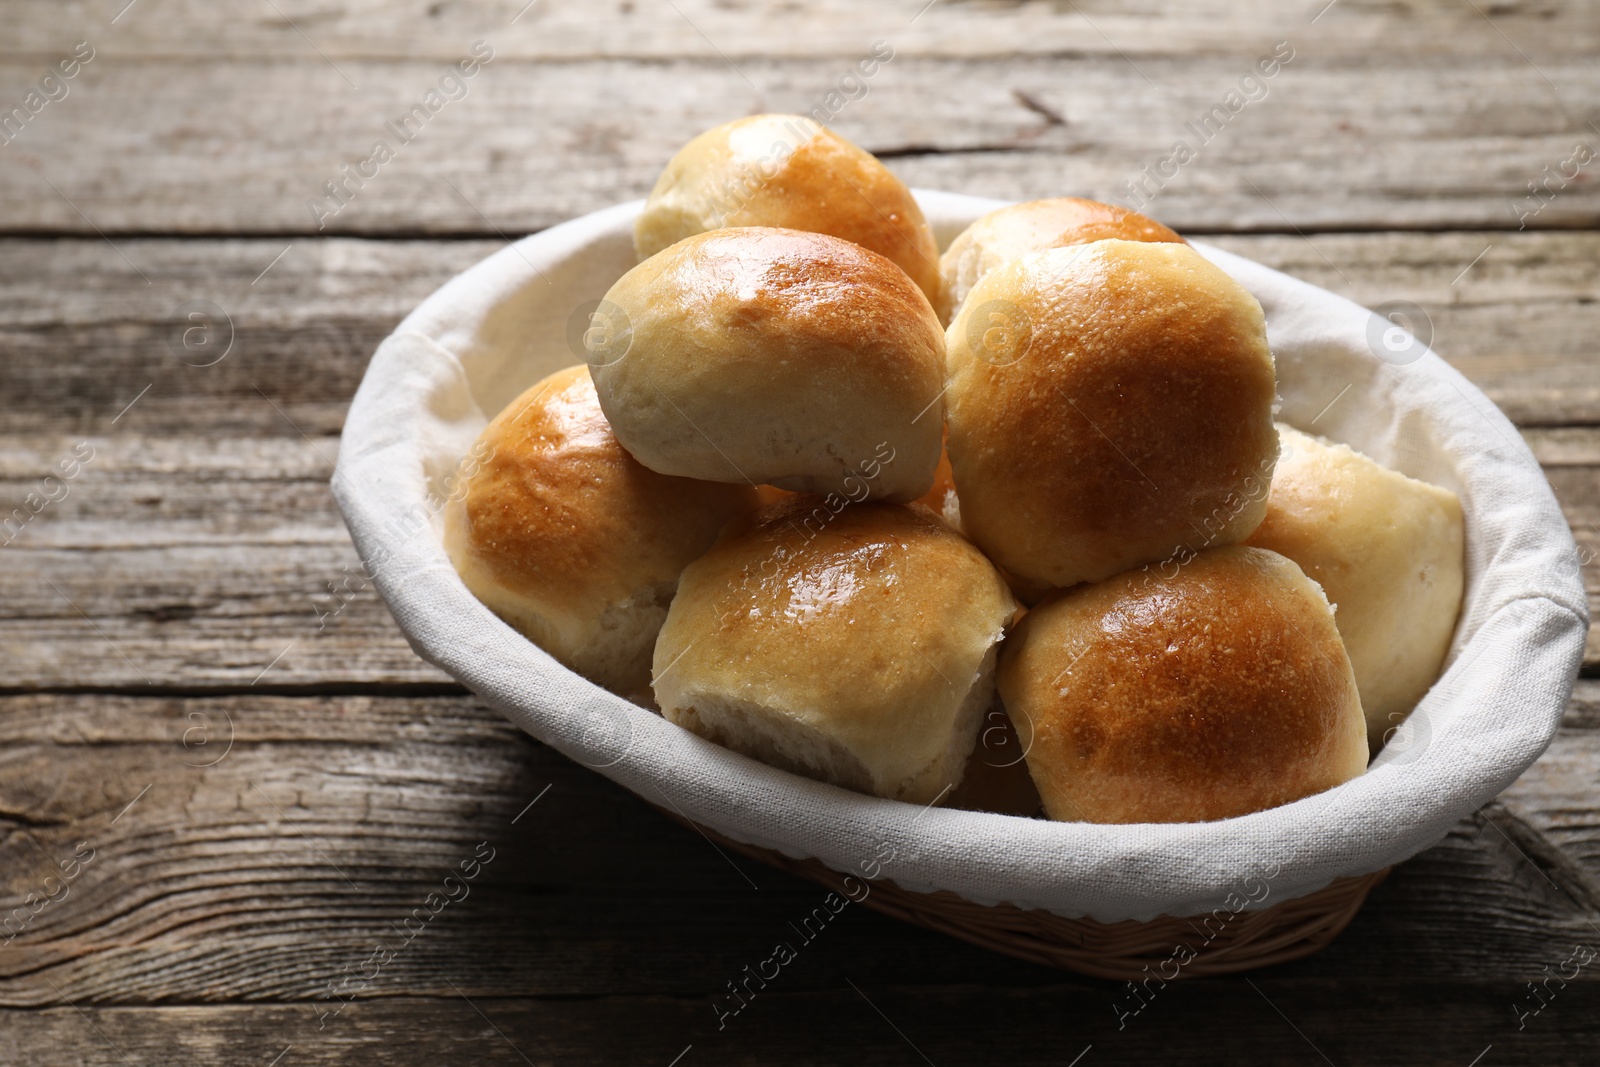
x=490 y=332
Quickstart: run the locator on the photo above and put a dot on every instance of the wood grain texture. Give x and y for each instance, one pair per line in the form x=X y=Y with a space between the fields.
x=1277 y=1022
x=255 y=835
x=267 y=869
x=182 y=561
x=85 y=334
x=1516 y=313
x=199 y=543
x=206 y=147
x=712 y=29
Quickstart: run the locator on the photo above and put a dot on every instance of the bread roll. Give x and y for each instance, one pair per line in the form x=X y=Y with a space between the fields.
x=1017 y=229
x=1390 y=553
x=1219 y=691
x=1108 y=405
x=789 y=171
x=573 y=543
x=855 y=647
x=775 y=356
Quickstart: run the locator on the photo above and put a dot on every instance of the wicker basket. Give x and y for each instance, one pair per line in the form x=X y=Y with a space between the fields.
x=477 y=342
x=1120 y=951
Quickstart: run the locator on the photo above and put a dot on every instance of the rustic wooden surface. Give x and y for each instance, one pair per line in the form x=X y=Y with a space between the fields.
x=250 y=799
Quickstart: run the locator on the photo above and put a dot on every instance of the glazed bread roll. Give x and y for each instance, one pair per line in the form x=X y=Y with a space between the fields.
x=788 y=171
x=1108 y=405
x=569 y=540
x=1390 y=553
x=1033 y=226
x=775 y=356
x=1217 y=692
x=855 y=647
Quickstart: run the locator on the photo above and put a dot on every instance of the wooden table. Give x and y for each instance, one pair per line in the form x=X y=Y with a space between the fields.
x=223 y=795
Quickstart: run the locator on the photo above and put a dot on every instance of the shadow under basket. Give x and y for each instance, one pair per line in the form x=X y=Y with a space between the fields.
x=1288 y=930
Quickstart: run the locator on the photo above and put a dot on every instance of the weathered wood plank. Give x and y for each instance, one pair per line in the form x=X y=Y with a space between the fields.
x=1268 y=1020
x=83 y=335
x=228 y=545
x=709 y=29
x=218 y=559
x=1338 y=142
x=182 y=561
x=278 y=867
x=1556 y=798
x=1497 y=322
x=1577 y=487
x=200 y=531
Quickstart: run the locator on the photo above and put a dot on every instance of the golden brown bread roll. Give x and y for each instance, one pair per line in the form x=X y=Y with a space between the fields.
x=1388 y=550
x=855 y=647
x=788 y=171
x=777 y=356
x=573 y=543
x=1217 y=692
x=1108 y=404
x=1032 y=226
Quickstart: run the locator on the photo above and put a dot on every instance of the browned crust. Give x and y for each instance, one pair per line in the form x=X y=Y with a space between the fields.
x=863 y=629
x=814 y=295
x=816 y=599
x=832 y=186
x=1217 y=692
x=768 y=354
x=1079 y=221
x=802 y=176
x=1138 y=419
x=560 y=511
x=1033 y=226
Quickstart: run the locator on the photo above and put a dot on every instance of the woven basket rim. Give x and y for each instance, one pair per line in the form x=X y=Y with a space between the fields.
x=417 y=412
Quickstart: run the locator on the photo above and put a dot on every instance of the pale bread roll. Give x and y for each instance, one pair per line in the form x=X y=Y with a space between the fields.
x=1109 y=404
x=1033 y=226
x=1389 y=551
x=1219 y=691
x=788 y=171
x=569 y=540
x=855 y=647
x=782 y=357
